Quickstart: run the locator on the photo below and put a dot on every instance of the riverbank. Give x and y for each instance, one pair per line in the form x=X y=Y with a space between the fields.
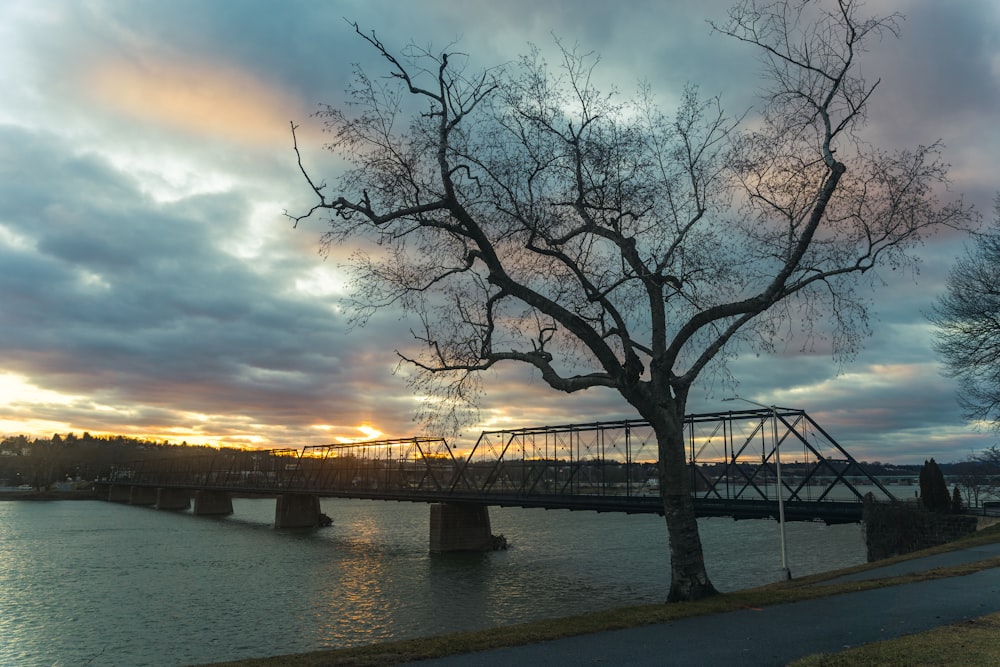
x=837 y=584
x=81 y=494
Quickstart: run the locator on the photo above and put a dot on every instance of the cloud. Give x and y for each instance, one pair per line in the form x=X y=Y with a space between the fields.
x=132 y=301
x=199 y=99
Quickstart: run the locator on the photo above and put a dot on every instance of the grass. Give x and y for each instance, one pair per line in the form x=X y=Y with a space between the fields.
x=970 y=643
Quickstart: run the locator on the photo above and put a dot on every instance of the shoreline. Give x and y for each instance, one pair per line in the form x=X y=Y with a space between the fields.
x=87 y=494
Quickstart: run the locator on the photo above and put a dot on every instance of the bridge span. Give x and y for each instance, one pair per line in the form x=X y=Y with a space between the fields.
x=739 y=462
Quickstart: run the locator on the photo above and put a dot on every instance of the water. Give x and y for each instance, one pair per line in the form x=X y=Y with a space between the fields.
x=88 y=582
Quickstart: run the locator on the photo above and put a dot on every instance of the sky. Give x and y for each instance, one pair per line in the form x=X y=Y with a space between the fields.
x=150 y=284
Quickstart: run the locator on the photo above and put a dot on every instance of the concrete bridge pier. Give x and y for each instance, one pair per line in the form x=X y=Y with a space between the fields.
x=296 y=511
x=172 y=499
x=460 y=527
x=212 y=503
x=141 y=495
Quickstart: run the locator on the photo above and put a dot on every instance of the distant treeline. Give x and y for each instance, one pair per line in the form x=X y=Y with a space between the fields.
x=73 y=440
x=44 y=462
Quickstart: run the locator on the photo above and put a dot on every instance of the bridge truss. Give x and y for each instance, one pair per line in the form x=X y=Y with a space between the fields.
x=733 y=461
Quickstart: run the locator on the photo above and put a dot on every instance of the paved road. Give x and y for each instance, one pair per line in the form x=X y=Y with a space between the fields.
x=948 y=559
x=779 y=634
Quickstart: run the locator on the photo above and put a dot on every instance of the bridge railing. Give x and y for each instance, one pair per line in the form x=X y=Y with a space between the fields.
x=735 y=455
x=220 y=469
x=605 y=458
x=731 y=456
x=413 y=464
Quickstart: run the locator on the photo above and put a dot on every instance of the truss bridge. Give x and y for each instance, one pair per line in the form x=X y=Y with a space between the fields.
x=743 y=463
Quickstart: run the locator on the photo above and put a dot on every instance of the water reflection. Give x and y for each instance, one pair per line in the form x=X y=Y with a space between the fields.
x=354 y=590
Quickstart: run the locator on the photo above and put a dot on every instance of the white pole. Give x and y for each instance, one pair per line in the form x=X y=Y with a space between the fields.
x=785 y=572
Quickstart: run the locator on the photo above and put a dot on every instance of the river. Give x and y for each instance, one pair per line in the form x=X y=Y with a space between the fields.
x=95 y=583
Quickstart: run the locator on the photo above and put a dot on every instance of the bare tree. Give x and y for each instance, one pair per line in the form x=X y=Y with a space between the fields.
x=989 y=462
x=526 y=216
x=979 y=475
x=967 y=316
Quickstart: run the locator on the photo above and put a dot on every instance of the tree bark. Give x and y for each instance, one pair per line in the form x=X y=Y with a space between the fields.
x=688 y=576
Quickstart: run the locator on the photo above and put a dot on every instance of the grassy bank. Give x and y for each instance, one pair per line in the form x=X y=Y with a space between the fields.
x=970 y=644
x=957 y=642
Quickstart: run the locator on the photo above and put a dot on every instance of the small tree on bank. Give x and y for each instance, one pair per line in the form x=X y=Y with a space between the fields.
x=525 y=216
x=956 y=500
x=934 y=494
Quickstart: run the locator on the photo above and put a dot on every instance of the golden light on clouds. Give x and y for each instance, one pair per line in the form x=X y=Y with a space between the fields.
x=33 y=427
x=20 y=394
x=367 y=433
x=198 y=98
x=370 y=432
x=15 y=388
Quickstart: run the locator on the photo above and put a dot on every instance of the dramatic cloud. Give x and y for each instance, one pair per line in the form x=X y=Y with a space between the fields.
x=151 y=285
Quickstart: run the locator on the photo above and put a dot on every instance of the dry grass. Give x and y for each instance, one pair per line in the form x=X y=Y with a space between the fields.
x=977 y=639
x=970 y=644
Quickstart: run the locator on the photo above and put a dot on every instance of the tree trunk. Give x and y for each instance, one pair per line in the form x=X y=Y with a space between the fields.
x=688 y=577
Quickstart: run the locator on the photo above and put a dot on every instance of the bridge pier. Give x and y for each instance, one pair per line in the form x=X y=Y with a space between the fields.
x=141 y=495
x=172 y=499
x=212 y=503
x=460 y=527
x=296 y=511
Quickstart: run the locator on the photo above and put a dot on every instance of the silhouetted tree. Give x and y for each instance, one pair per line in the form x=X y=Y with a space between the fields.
x=934 y=494
x=956 y=500
x=523 y=215
x=43 y=464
